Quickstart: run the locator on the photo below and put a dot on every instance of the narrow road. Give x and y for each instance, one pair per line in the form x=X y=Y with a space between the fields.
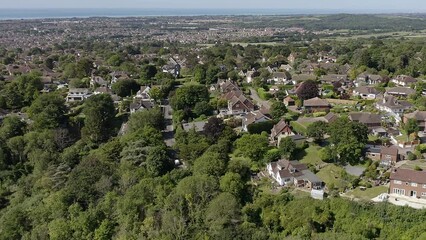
x=168 y=132
x=255 y=97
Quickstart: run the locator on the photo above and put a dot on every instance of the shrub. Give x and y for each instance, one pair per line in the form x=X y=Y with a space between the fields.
x=319 y=114
x=411 y=156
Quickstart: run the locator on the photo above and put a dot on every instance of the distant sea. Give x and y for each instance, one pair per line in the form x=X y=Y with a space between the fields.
x=85 y=13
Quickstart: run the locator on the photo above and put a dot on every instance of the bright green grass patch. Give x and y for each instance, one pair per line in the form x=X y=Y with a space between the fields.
x=368 y=193
x=310 y=155
x=335 y=176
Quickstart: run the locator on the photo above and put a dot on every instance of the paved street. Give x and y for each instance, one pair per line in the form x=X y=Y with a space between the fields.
x=168 y=132
x=255 y=97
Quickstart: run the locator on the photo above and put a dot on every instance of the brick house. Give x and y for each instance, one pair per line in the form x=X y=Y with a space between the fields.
x=408 y=183
x=389 y=155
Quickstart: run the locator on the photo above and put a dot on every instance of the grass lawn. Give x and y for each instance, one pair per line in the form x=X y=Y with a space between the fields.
x=403 y=138
x=368 y=193
x=310 y=155
x=299 y=127
x=372 y=138
x=332 y=175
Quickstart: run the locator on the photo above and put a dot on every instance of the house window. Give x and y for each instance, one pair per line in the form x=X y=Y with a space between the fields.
x=399 y=191
x=424 y=185
x=397 y=182
x=413 y=184
x=423 y=194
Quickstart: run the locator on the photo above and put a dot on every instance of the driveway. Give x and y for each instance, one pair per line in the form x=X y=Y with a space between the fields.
x=255 y=97
x=168 y=132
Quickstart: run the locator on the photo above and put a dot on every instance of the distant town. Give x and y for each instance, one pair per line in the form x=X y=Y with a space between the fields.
x=213 y=127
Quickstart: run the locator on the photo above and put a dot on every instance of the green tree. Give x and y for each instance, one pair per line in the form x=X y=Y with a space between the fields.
x=200 y=74
x=348 y=139
x=125 y=88
x=232 y=183
x=411 y=126
x=148 y=72
x=278 y=110
x=202 y=108
x=99 y=114
x=222 y=214
x=152 y=117
x=48 y=111
x=287 y=147
x=188 y=96
x=11 y=126
x=211 y=164
x=317 y=130
x=253 y=146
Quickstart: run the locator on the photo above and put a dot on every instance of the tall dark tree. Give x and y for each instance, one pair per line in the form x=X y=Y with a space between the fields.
x=307 y=90
x=125 y=88
x=99 y=114
x=214 y=128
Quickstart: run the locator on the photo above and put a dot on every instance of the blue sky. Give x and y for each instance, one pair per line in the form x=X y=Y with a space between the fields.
x=412 y=5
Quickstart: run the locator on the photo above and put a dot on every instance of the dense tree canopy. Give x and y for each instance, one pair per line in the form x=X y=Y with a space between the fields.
x=99 y=114
x=307 y=90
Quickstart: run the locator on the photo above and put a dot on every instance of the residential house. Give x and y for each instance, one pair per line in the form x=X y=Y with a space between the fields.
x=292 y=57
x=316 y=105
x=367 y=79
x=366 y=92
x=393 y=106
x=250 y=75
x=400 y=91
x=98 y=81
x=239 y=105
x=373 y=152
x=293 y=173
x=333 y=78
x=228 y=86
x=253 y=117
x=101 y=90
x=198 y=126
x=280 y=131
x=389 y=156
x=286 y=67
x=302 y=77
x=327 y=59
x=78 y=94
x=280 y=78
x=14 y=69
x=408 y=183
x=289 y=101
x=173 y=67
x=404 y=80
x=143 y=93
x=371 y=120
x=420 y=117
x=140 y=105
x=118 y=76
